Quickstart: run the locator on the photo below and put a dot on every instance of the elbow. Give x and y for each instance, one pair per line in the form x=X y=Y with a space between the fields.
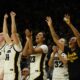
x=26 y=53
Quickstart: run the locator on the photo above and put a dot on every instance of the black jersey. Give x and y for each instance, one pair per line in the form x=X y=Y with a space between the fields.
x=73 y=62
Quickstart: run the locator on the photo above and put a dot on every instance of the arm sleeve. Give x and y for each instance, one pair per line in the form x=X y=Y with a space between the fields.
x=44 y=48
x=18 y=47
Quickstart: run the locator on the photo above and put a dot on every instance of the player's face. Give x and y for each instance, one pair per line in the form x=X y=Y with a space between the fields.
x=62 y=41
x=72 y=42
x=39 y=37
x=25 y=71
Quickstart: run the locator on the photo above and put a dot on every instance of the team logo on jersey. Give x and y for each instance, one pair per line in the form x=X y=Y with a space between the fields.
x=72 y=57
x=8 y=51
x=32 y=59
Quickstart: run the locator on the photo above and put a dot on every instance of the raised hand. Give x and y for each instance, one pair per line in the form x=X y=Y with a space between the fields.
x=55 y=49
x=5 y=16
x=49 y=21
x=67 y=19
x=12 y=14
x=28 y=33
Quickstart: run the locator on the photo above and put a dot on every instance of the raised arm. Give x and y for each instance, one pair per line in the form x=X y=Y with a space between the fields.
x=27 y=50
x=62 y=58
x=14 y=34
x=75 y=31
x=51 y=60
x=5 y=30
x=53 y=33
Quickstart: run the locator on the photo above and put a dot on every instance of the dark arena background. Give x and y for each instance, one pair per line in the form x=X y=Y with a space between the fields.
x=33 y=13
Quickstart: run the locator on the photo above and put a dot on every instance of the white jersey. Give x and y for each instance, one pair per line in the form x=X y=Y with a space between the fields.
x=37 y=63
x=12 y=62
x=2 y=59
x=2 y=55
x=60 y=70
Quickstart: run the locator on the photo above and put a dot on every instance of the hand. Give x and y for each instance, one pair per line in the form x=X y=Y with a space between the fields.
x=27 y=38
x=55 y=49
x=12 y=14
x=6 y=16
x=28 y=33
x=67 y=19
x=49 y=21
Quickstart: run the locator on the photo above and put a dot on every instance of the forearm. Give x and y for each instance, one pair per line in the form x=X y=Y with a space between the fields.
x=53 y=33
x=13 y=25
x=62 y=59
x=30 y=46
x=5 y=30
x=50 y=63
x=25 y=50
x=75 y=31
x=15 y=35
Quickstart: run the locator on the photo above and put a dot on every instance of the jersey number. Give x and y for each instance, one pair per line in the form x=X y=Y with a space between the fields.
x=58 y=64
x=7 y=57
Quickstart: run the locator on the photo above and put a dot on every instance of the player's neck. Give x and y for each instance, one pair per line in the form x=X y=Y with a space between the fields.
x=39 y=44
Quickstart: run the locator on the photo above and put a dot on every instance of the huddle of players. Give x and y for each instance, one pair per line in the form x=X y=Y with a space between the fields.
x=64 y=58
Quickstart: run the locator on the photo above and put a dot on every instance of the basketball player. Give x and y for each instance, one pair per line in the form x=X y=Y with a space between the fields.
x=58 y=59
x=37 y=55
x=12 y=50
x=25 y=73
x=72 y=51
x=2 y=55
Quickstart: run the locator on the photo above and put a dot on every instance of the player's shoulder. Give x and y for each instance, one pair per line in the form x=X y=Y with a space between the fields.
x=44 y=48
x=44 y=45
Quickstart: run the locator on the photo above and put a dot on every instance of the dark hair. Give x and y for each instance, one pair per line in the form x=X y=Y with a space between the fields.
x=44 y=36
x=29 y=27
